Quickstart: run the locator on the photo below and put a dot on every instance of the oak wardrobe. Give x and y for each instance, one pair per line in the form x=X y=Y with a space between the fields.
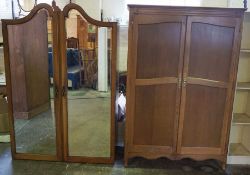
x=182 y=68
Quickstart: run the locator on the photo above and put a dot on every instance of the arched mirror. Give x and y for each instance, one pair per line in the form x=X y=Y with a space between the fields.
x=61 y=74
x=89 y=79
x=31 y=81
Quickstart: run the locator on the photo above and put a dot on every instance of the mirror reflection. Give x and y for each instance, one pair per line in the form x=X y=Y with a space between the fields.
x=31 y=67
x=89 y=91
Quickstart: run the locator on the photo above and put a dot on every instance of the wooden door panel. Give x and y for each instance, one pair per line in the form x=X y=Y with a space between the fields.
x=154 y=121
x=204 y=111
x=158 y=53
x=210 y=51
x=155 y=74
x=208 y=79
x=29 y=73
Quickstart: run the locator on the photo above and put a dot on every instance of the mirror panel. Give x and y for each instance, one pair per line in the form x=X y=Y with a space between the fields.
x=31 y=69
x=89 y=87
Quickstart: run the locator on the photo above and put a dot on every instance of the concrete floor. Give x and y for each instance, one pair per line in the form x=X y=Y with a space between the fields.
x=137 y=166
x=88 y=124
x=36 y=135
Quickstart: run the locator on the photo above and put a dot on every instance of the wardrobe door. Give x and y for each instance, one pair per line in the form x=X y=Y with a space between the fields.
x=208 y=84
x=154 y=73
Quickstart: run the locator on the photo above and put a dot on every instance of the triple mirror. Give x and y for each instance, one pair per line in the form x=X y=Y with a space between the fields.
x=61 y=83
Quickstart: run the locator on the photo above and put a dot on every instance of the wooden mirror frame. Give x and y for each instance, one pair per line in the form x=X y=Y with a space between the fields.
x=113 y=26
x=60 y=82
x=6 y=23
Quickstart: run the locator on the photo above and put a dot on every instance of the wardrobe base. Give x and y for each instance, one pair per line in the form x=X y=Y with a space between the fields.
x=197 y=157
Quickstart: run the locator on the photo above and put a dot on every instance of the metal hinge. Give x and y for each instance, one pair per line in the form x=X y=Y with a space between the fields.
x=179 y=82
x=56 y=92
x=64 y=91
x=184 y=82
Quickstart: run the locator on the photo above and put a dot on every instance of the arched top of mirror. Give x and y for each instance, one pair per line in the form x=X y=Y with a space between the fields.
x=76 y=8
x=33 y=12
